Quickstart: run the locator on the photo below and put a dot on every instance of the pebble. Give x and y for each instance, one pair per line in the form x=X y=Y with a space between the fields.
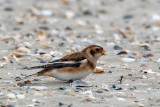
x=128 y=16
x=69 y=14
x=140 y=105
x=47 y=56
x=61 y=104
x=62 y=88
x=144 y=77
x=9 y=105
x=116 y=87
x=8 y=9
x=79 y=83
x=11 y=95
x=98 y=70
x=23 y=49
x=46 y=13
x=105 y=87
x=99 y=91
x=17 y=78
x=20 y=96
x=128 y=59
x=38 y=88
x=42 y=61
x=116 y=47
x=132 y=88
x=43 y=28
x=16 y=28
x=35 y=101
x=36 y=79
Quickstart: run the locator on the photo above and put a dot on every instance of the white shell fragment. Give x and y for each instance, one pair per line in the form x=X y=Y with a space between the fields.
x=38 y=88
x=128 y=59
x=11 y=95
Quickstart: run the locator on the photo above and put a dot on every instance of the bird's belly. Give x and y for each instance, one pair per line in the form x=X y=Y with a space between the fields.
x=66 y=76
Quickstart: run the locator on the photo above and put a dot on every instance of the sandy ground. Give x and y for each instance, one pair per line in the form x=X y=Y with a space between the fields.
x=71 y=25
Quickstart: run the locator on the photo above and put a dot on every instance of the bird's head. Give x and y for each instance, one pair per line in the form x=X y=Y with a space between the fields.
x=93 y=52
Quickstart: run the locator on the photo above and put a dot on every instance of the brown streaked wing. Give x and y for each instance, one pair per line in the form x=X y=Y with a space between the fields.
x=77 y=56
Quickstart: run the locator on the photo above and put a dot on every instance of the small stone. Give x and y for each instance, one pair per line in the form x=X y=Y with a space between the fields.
x=79 y=83
x=116 y=47
x=61 y=104
x=98 y=70
x=46 y=13
x=16 y=27
x=8 y=9
x=69 y=14
x=147 y=48
x=99 y=91
x=23 y=49
x=122 y=52
x=132 y=96
x=47 y=56
x=35 y=101
x=42 y=61
x=132 y=88
x=38 y=88
x=116 y=87
x=144 y=77
x=87 y=12
x=11 y=95
x=129 y=74
x=17 y=78
x=128 y=59
x=140 y=105
x=128 y=16
x=62 y=88
x=105 y=87
x=133 y=39
x=36 y=79
x=43 y=28
x=9 y=105
x=20 y=96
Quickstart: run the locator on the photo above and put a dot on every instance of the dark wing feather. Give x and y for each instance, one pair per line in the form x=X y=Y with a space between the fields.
x=57 y=65
x=77 y=56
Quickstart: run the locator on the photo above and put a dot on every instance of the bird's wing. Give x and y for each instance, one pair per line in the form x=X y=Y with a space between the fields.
x=57 y=65
x=71 y=60
x=76 y=57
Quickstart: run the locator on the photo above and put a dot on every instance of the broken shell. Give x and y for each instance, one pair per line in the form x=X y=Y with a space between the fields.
x=140 y=105
x=132 y=96
x=116 y=37
x=128 y=59
x=69 y=14
x=6 y=59
x=47 y=56
x=123 y=33
x=15 y=54
x=105 y=87
x=98 y=70
x=19 y=21
x=149 y=55
x=23 y=49
x=47 y=45
x=122 y=52
x=11 y=95
x=19 y=45
x=133 y=39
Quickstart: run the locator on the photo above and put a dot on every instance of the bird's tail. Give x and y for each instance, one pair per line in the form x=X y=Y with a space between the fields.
x=34 y=67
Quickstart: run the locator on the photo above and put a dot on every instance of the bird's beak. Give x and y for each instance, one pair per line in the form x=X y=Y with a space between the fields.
x=104 y=52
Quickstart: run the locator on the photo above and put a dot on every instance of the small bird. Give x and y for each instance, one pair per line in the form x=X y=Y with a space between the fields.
x=74 y=66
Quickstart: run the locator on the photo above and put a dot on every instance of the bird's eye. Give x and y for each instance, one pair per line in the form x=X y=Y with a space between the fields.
x=97 y=50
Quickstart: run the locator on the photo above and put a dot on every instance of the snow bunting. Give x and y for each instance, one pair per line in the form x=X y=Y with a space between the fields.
x=74 y=66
